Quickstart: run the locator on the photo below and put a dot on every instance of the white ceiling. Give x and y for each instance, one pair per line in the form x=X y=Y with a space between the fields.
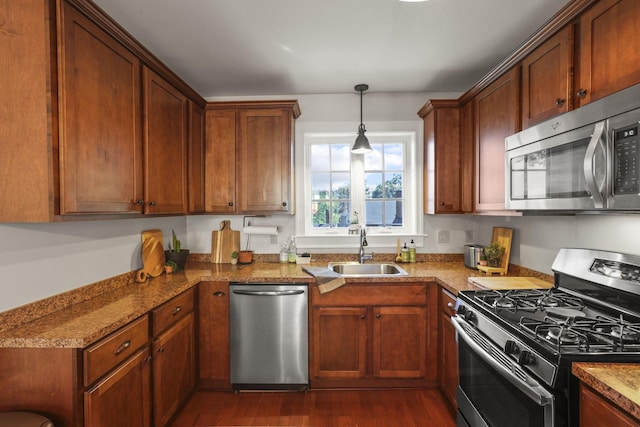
x=276 y=47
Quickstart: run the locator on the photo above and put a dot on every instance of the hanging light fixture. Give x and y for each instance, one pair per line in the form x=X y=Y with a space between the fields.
x=362 y=143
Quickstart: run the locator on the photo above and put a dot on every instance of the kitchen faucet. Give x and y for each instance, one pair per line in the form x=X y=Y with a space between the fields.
x=363 y=242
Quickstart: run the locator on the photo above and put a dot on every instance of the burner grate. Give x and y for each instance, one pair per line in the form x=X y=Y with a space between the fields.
x=581 y=334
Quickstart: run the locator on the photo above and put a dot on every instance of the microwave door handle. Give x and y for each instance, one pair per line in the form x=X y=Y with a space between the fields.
x=531 y=388
x=589 y=171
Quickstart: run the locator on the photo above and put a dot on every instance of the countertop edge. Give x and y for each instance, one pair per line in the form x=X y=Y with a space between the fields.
x=592 y=374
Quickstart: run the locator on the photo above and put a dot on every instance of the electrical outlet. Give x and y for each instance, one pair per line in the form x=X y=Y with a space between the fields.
x=468 y=236
x=274 y=239
x=443 y=236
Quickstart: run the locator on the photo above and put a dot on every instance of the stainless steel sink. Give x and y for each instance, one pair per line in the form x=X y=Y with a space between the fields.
x=354 y=269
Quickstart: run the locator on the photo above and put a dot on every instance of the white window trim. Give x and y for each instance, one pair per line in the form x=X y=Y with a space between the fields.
x=377 y=237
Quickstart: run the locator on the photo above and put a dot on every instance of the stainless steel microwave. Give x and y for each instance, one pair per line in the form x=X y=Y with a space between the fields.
x=587 y=159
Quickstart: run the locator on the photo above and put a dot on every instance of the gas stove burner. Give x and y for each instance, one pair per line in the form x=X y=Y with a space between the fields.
x=504 y=302
x=549 y=301
x=626 y=335
x=562 y=336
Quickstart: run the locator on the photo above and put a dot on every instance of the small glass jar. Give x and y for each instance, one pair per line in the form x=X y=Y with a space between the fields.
x=284 y=253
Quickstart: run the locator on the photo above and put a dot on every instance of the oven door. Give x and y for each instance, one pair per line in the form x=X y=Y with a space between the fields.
x=494 y=391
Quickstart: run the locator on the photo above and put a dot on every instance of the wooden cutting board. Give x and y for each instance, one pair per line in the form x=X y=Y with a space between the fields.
x=153 y=257
x=505 y=282
x=224 y=242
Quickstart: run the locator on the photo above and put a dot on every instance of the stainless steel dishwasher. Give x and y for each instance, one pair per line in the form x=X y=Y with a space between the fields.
x=269 y=338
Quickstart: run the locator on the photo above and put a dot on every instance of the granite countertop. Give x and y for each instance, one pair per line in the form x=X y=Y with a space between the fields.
x=83 y=316
x=618 y=382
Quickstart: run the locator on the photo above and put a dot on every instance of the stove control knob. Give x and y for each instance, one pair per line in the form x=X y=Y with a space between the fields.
x=461 y=310
x=510 y=347
x=526 y=358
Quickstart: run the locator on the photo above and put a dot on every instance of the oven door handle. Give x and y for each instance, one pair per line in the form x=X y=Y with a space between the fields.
x=532 y=389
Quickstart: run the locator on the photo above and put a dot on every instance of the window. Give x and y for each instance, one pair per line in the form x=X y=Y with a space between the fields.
x=380 y=189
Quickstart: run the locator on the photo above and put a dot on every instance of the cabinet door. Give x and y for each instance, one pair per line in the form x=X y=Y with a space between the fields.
x=123 y=398
x=547 y=79
x=265 y=160
x=165 y=141
x=467 y=152
x=339 y=346
x=173 y=369
x=596 y=411
x=442 y=158
x=399 y=342
x=497 y=116
x=220 y=161
x=213 y=334
x=100 y=134
x=609 y=49
x=196 y=158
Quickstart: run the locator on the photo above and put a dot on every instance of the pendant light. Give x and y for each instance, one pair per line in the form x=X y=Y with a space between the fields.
x=362 y=143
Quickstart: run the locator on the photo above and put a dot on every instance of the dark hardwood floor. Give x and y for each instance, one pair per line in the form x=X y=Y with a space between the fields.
x=319 y=408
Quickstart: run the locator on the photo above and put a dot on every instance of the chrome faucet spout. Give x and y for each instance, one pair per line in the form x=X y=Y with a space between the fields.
x=362 y=255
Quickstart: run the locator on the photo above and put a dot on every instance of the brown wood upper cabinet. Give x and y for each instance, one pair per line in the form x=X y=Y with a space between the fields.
x=497 y=115
x=249 y=157
x=73 y=113
x=547 y=74
x=609 y=53
x=441 y=156
x=100 y=136
x=467 y=157
x=196 y=158
x=165 y=142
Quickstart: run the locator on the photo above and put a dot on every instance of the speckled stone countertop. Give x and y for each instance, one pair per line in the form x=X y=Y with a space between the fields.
x=80 y=317
x=618 y=382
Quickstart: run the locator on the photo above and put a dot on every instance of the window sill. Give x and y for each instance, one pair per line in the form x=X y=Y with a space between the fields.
x=340 y=243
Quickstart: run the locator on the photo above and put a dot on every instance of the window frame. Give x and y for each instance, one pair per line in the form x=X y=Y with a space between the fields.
x=409 y=134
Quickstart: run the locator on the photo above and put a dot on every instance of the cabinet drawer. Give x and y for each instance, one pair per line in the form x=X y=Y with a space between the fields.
x=447 y=303
x=374 y=294
x=172 y=311
x=102 y=356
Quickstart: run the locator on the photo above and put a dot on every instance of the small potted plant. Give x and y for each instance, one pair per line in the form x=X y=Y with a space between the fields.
x=494 y=253
x=234 y=258
x=170 y=267
x=245 y=257
x=483 y=259
x=176 y=253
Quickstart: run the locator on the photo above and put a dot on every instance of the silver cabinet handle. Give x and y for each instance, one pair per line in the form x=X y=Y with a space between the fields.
x=176 y=310
x=122 y=347
x=218 y=294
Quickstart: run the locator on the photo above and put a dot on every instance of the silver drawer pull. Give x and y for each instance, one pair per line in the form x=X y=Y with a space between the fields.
x=122 y=347
x=176 y=310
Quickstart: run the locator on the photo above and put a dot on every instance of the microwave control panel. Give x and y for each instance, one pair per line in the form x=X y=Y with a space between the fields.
x=626 y=149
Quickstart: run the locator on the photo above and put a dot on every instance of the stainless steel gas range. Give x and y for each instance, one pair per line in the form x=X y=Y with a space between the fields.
x=516 y=346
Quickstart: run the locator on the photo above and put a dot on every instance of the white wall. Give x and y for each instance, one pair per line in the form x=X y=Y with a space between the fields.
x=40 y=260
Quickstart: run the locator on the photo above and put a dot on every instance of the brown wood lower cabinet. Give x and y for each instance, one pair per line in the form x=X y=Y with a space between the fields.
x=120 y=380
x=213 y=335
x=448 y=348
x=373 y=336
x=597 y=411
x=122 y=398
x=174 y=361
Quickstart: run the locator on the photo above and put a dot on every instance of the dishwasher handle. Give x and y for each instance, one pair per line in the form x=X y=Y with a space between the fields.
x=268 y=293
